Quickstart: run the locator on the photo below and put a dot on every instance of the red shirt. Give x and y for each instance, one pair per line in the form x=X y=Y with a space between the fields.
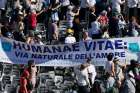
x=103 y=20
x=32 y=20
x=23 y=82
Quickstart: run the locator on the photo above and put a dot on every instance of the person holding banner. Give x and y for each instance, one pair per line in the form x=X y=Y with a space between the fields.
x=24 y=82
x=82 y=79
x=118 y=67
x=91 y=72
x=109 y=67
x=32 y=70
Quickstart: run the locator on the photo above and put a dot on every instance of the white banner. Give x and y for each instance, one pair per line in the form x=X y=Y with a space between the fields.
x=15 y=52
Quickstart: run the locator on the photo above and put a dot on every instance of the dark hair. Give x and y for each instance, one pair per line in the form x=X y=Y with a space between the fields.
x=93 y=18
x=109 y=56
x=88 y=60
x=133 y=62
x=31 y=62
x=82 y=66
x=105 y=28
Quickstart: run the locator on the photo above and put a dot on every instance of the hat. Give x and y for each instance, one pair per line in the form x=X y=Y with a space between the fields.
x=130 y=73
x=70 y=31
x=116 y=58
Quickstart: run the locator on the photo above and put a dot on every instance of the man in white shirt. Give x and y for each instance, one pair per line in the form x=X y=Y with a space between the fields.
x=82 y=79
x=116 y=5
x=85 y=6
x=91 y=71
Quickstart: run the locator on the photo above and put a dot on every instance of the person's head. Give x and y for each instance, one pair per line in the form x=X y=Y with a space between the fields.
x=133 y=19
x=85 y=34
x=30 y=38
x=104 y=13
x=88 y=60
x=31 y=63
x=110 y=57
x=108 y=75
x=92 y=9
x=70 y=8
x=120 y=16
x=9 y=35
x=31 y=34
x=105 y=29
x=133 y=62
x=69 y=32
x=83 y=66
x=116 y=60
x=33 y=11
x=76 y=20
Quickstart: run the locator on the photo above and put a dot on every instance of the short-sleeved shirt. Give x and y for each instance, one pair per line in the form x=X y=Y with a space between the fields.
x=23 y=81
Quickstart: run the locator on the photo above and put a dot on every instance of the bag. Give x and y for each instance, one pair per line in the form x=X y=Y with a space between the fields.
x=29 y=85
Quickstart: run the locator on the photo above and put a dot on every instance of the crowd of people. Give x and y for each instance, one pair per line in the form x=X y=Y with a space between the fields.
x=94 y=19
x=85 y=20
x=117 y=77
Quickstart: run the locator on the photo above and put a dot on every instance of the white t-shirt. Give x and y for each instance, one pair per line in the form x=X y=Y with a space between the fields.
x=81 y=76
x=91 y=69
x=95 y=28
x=70 y=39
x=108 y=67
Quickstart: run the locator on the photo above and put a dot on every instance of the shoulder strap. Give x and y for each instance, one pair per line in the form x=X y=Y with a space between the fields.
x=132 y=83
